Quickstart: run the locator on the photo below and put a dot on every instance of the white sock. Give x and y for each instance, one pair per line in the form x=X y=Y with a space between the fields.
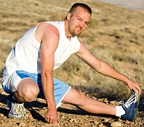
x=119 y=111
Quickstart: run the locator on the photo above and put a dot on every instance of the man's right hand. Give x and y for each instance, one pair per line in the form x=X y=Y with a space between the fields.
x=51 y=116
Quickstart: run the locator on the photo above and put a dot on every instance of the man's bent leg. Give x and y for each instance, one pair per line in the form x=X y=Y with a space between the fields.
x=23 y=86
x=27 y=90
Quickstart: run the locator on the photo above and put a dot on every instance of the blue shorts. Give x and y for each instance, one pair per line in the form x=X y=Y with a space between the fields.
x=10 y=83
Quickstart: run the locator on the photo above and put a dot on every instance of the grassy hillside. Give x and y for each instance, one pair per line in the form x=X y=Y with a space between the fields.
x=114 y=35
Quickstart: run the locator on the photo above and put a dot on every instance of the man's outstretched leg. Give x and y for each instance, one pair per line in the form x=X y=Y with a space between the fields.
x=126 y=111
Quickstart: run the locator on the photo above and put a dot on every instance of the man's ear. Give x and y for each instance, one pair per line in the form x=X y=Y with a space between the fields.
x=68 y=16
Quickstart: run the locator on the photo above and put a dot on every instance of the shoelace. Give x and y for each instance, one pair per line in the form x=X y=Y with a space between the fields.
x=17 y=109
x=131 y=100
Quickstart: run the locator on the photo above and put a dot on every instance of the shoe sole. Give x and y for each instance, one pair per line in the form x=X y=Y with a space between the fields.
x=11 y=116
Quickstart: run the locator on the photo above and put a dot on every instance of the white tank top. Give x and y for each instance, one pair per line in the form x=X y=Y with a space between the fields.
x=26 y=53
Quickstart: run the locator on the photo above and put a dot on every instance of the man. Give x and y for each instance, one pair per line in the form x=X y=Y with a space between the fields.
x=43 y=48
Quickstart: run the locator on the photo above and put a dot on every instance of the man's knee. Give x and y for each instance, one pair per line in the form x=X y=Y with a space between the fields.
x=30 y=94
x=28 y=91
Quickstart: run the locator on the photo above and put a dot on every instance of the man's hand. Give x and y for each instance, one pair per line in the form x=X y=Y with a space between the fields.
x=51 y=116
x=134 y=86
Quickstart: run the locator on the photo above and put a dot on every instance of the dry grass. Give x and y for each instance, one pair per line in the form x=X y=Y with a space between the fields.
x=114 y=35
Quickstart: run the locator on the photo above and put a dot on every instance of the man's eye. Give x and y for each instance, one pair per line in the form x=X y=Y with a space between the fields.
x=80 y=19
x=86 y=23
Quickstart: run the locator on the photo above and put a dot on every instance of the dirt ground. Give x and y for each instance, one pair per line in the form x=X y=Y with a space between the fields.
x=69 y=116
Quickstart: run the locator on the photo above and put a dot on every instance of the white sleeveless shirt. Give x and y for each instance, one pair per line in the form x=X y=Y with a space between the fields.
x=26 y=53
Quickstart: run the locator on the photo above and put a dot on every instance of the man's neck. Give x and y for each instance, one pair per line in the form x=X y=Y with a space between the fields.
x=68 y=35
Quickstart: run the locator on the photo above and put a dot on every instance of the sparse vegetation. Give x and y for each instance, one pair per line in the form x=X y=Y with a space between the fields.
x=114 y=35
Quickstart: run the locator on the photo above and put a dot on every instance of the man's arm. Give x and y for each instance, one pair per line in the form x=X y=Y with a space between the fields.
x=105 y=68
x=48 y=36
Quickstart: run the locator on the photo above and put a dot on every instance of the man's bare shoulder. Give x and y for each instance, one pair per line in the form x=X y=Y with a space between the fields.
x=45 y=29
x=47 y=26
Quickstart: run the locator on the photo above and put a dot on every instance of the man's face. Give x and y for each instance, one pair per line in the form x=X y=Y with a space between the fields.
x=78 y=21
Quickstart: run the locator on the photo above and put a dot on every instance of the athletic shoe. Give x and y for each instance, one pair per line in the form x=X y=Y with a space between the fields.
x=130 y=107
x=17 y=109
